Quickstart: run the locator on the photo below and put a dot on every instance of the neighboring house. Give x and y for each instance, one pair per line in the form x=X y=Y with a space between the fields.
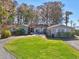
x=55 y=29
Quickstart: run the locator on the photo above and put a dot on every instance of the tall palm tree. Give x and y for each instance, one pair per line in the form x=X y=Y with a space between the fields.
x=67 y=14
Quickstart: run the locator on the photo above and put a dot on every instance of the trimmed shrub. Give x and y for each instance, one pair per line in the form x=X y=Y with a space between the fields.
x=19 y=31
x=65 y=34
x=69 y=34
x=5 y=33
x=58 y=34
x=77 y=32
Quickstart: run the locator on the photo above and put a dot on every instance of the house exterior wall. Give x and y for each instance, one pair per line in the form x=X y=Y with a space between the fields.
x=55 y=30
x=39 y=30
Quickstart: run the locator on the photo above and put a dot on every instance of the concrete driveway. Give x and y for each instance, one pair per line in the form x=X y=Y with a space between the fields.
x=74 y=43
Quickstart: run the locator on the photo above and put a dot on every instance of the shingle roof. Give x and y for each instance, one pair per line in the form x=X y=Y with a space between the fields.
x=53 y=26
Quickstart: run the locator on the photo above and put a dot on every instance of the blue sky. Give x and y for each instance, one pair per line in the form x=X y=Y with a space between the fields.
x=71 y=5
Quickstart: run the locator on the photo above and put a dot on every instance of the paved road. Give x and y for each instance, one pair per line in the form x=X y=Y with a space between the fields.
x=3 y=53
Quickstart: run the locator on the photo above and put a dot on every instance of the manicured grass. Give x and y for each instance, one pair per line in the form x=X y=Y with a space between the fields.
x=35 y=47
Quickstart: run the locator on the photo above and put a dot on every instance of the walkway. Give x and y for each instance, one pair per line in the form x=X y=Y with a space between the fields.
x=74 y=43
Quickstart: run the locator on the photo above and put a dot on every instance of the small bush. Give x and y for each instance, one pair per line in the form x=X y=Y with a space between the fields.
x=5 y=33
x=19 y=31
x=13 y=32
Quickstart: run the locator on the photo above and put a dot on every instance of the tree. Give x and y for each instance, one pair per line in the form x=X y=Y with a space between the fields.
x=22 y=12
x=52 y=11
x=32 y=15
x=12 y=15
x=26 y=13
x=1 y=13
x=8 y=9
x=67 y=14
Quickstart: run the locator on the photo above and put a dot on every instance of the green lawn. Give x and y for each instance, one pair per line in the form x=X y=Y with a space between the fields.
x=36 y=47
